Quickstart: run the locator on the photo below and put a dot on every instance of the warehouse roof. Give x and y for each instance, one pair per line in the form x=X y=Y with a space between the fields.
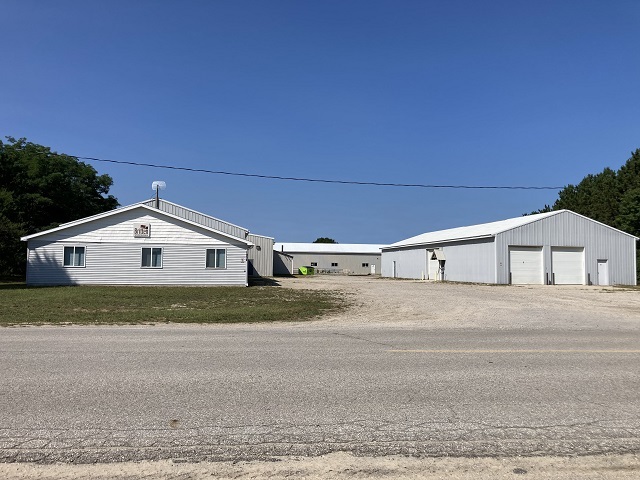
x=328 y=248
x=482 y=230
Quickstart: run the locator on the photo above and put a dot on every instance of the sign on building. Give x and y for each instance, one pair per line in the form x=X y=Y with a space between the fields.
x=141 y=230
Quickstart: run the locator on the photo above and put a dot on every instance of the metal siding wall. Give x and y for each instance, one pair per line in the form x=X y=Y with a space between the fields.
x=119 y=264
x=200 y=218
x=282 y=264
x=410 y=262
x=262 y=260
x=471 y=261
x=570 y=230
x=352 y=262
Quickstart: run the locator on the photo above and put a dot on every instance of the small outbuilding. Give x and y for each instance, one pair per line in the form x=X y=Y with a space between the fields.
x=154 y=242
x=345 y=258
x=559 y=247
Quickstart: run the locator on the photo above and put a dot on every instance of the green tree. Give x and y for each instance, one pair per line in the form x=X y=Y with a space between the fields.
x=40 y=189
x=611 y=197
x=324 y=240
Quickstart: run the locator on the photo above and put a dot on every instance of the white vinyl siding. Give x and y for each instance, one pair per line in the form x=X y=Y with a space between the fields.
x=567 y=265
x=114 y=256
x=216 y=258
x=73 y=256
x=525 y=265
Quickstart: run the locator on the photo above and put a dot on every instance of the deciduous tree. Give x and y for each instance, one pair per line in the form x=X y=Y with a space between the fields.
x=40 y=189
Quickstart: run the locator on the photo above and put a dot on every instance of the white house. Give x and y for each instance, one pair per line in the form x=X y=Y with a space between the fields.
x=560 y=247
x=142 y=244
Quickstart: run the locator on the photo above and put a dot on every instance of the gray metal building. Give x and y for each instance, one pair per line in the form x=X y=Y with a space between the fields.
x=560 y=247
x=144 y=245
x=345 y=258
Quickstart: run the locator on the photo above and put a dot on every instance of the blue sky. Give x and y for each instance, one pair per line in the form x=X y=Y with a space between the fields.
x=432 y=92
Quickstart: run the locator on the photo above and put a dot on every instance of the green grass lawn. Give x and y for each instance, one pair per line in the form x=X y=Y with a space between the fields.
x=21 y=305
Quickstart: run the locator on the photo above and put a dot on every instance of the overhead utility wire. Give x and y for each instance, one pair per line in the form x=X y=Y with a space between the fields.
x=318 y=180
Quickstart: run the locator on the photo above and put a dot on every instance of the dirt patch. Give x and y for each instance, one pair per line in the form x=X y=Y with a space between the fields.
x=342 y=466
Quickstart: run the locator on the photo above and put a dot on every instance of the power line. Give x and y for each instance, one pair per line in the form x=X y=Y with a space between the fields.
x=318 y=180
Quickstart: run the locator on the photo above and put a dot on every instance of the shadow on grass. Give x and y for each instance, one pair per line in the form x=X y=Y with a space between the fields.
x=263 y=282
x=13 y=286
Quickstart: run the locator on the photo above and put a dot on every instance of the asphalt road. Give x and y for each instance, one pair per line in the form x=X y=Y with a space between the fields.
x=102 y=394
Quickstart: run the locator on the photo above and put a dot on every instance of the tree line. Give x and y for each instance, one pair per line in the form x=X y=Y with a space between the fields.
x=611 y=197
x=40 y=189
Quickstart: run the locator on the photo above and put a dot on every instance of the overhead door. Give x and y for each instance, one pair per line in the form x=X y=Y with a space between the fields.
x=567 y=265
x=525 y=265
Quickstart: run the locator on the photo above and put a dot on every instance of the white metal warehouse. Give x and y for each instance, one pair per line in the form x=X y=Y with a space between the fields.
x=345 y=258
x=559 y=247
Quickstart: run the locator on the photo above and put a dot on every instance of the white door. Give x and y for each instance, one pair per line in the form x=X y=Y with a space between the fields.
x=567 y=265
x=373 y=269
x=603 y=272
x=432 y=266
x=525 y=265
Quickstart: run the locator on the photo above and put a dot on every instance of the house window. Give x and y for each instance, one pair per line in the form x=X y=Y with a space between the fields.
x=216 y=258
x=74 y=256
x=151 y=257
x=334 y=264
x=365 y=264
x=314 y=264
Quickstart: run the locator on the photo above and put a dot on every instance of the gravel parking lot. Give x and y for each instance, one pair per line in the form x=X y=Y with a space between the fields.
x=391 y=302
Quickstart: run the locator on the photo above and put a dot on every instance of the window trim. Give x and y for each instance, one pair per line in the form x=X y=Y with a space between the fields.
x=314 y=264
x=151 y=257
x=84 y=258
x=334 y=264
x=365 y=265
x=215 y=257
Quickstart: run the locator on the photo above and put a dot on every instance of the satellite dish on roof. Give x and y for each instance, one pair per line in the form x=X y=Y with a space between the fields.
x=157 y=186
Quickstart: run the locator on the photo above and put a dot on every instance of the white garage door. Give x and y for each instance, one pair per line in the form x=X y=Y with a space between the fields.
x=525 y=265
x=567 y=265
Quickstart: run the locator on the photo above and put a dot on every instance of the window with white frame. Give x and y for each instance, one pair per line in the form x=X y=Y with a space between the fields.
x=216 y=258
x=314 y=264
x=151 y=257
x=365 y=264
x=73 y=256
x=334 y=264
